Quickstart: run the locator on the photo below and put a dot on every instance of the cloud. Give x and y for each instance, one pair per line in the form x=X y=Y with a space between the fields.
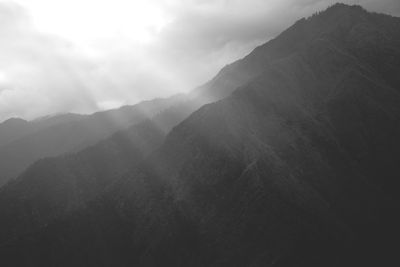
x=39 y=73
x=122 y=56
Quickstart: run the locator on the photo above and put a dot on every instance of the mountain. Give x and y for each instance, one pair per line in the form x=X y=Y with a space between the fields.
x=12 y=129
x=15 y=128
x=25 y=142
x=296 y=166
x=55 y=186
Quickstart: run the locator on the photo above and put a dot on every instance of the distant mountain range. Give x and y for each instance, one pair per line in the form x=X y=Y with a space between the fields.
x=23 y=142
x=288 y=157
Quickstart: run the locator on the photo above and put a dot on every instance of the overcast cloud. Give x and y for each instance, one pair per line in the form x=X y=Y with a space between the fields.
x=86 y=55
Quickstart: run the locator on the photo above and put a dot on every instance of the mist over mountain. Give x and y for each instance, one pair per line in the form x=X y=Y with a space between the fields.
x=15 y=128
x=22 y=142
x=288 y=157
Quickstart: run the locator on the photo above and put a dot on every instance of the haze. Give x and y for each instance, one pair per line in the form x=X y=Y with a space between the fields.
x=86 y=55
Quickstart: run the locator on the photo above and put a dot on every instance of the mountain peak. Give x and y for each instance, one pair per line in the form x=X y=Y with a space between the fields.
x=338 y=12
x=345 y=6
x=341 y=7
x=13 y=121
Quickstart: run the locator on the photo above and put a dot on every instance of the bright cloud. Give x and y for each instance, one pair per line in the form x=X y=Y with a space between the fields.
x=85 y=55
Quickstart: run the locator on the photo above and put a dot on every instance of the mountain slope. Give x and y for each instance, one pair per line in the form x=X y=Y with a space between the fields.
x=287 y=167
x=298 y=167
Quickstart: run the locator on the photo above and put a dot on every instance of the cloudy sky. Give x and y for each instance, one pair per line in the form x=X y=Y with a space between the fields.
x=86 y=55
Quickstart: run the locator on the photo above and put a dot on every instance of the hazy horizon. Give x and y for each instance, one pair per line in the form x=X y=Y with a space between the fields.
x=86 y=56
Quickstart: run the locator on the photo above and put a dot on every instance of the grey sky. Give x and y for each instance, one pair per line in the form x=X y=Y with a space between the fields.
x=82 y=56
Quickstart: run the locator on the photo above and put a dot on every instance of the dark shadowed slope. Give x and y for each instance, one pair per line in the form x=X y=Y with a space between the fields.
x=67 y=133
x=298 y=167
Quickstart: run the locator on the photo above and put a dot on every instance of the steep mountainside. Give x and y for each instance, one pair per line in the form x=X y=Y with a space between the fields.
x=298 y=167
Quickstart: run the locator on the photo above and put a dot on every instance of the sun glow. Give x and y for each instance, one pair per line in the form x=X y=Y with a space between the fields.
x=3 y=78
x=90 y=21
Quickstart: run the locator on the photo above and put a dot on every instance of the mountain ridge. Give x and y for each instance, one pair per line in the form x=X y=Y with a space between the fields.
x=69 y=133
x=297 y=167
